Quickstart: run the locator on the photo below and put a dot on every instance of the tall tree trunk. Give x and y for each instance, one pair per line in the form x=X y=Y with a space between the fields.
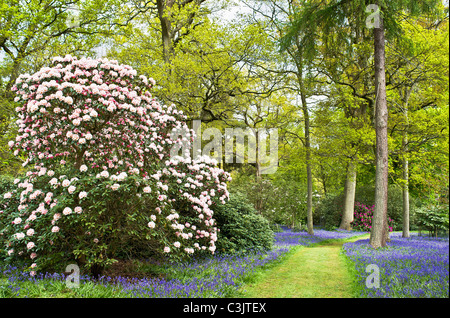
x=298 y=58
x=355 y=114
x=309 y=216
x=379 y=233
x=405 y=189
x=258 y=181
x=405 y=163
x=349 y=203
x=164 y=7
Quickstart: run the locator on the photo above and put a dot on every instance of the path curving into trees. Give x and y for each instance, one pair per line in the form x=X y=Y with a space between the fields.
x=318 y=271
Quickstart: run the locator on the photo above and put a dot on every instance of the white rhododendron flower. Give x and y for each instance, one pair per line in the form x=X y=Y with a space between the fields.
x=82 y=194
x=67 y=211
x=147 y=189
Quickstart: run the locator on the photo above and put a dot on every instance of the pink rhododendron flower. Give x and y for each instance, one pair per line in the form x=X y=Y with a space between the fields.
x=91 y=125
x=17 y=221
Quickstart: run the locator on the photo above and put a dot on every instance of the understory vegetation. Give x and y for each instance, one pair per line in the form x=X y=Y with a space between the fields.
x=414 y=267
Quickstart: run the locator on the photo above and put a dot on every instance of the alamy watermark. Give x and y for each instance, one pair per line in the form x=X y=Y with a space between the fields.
x=73 y=280
x=236 y=145
x=73 y=17
x=373 y=280
x=373 y=20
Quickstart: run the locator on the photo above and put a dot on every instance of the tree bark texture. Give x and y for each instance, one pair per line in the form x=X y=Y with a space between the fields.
x=405 y=164
x=349 y=203
x=379 y=233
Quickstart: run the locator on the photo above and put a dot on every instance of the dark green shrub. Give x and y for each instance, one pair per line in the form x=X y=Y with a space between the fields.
x=6 y=183
x=433 y=218
x=241 y=228
x=328 y=213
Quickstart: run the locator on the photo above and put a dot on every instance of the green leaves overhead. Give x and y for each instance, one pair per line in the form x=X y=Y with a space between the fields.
x=250 y=71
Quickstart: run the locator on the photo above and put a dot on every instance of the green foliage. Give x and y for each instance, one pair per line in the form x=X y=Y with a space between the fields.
x=241 y=228
x=433 y=217
x=6 y=183
x=329 y=211
x=281 y=197
x=8 y=130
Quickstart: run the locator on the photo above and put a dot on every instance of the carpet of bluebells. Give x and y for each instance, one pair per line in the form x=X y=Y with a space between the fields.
x=409 y=267
x=218 y=276
x=416 y=267
x=288 y=238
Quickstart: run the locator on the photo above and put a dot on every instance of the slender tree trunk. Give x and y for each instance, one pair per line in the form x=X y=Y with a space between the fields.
x=258 y=200
x=355 y=114
x=257 y=161
x=405 y=198
x=309 y=215
x=324 y=181
x=379 y=233
x=405 y=164
x=298 y=57
x=349 y=203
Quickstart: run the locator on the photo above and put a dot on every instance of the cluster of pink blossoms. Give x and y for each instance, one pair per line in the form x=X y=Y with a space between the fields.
x=98 y=117
x=363 y=216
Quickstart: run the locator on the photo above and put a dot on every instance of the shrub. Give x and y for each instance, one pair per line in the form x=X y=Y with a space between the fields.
x=104 y=171
x=363 y=218
x=433 y=217
x=6 y=183
x=281 y=200
x=240 y=227
x=328 y=213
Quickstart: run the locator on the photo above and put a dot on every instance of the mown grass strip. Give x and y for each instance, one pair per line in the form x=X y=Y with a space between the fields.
x=317 y=271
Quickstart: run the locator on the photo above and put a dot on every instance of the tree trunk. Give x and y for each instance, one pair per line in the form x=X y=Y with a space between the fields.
x=309 y=215
x=299 y=65
x=349 y=203
x=379 y=233
x=163 y=7
x=405 y=163
x=405 y=198
x=258 y=181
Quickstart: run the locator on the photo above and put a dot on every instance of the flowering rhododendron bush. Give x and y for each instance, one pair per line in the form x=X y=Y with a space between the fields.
x=363 y=216
x=104 y=178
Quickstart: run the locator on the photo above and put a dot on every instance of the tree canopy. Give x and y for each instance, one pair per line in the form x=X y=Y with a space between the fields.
x=303 y=68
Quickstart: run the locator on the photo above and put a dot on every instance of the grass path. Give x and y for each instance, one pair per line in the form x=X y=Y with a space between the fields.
x=318 y=271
